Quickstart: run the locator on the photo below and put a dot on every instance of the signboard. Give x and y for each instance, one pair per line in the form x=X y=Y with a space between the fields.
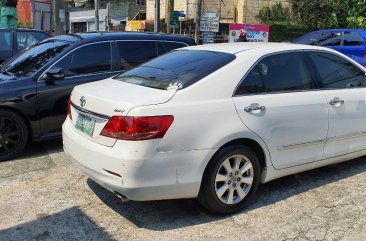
x=174 y=19
x=208 y=37
x=135 y=25
x=248 y=33
x=210 y=22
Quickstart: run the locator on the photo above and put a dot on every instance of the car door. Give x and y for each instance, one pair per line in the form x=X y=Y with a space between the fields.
x=84 y=64
x=278 y=100
x=343 y=84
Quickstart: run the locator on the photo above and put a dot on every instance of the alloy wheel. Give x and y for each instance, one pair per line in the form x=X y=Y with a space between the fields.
x=10 y=136
x=234 y=179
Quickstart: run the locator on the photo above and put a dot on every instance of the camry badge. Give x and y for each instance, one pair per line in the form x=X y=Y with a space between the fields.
x=82 y=101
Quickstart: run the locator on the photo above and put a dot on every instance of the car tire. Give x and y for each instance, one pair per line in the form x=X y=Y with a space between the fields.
x=230 y=180
x=13 y=135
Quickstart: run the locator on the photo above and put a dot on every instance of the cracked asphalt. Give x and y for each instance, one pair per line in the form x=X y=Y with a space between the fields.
x=44 y=197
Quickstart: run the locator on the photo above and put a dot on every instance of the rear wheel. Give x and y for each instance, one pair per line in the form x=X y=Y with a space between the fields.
x=230 y=180
x=13 y=135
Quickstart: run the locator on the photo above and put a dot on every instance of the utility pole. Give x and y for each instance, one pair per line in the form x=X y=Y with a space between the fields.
x=157 y=16
x=169 y=6
x=198 y=19
x=96 y=6
x=58 y=25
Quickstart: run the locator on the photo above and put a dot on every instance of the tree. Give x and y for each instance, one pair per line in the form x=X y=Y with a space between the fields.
x=322 y=13
x=275 y=13
x=357 y=14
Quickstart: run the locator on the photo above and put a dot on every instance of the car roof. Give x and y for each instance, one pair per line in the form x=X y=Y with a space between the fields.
x=338 y=30
x=234 y=48
x=104 y=36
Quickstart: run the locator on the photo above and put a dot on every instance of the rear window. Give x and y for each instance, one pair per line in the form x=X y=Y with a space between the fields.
x=177 y=69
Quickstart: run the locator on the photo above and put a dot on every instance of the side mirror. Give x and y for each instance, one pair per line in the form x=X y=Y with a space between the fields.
x=54 y=74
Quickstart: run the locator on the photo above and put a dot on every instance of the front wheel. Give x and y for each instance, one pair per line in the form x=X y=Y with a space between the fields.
x=230 y=180
x=13 y=135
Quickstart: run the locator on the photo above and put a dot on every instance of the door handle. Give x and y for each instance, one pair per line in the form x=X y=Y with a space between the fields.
x=254 y=106
x=336 y=100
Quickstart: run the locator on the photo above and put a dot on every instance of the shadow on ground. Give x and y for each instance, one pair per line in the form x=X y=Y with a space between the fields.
x=70 y=224
x=173 y=214
x=34 y=158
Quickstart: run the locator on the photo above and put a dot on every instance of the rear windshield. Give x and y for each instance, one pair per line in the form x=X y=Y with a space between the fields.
x=177 y=69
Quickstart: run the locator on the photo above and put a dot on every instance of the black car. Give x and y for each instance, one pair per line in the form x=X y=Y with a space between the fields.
x=13 y=41
x=36 y=84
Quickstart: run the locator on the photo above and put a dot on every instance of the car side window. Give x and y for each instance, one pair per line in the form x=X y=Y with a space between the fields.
x=28 y=39
x=252 y=84
x=277 y=73
x=89 y=59
x=5 y=41
x=309 y=39
x=336 y=72
x=173 y=45
x=133 y=53
x=352 y=39
x=330 y=39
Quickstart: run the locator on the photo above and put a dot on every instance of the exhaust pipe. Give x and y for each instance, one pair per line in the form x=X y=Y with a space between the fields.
x=121 y=197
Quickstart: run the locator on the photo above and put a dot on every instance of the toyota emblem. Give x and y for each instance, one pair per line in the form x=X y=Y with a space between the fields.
x=82 y=101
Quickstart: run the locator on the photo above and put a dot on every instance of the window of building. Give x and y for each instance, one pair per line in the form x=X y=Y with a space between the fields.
x=141 y=2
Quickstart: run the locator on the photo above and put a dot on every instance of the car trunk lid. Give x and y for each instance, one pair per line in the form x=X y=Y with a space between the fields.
x=93 y=104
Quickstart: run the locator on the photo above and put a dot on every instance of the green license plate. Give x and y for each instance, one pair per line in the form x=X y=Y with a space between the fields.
x=85 y=124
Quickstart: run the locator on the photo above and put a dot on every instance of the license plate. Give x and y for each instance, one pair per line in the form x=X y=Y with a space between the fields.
x=85 y=124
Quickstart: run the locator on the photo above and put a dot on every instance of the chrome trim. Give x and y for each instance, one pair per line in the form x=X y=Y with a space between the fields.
x=88 y=112
x=303 y=144
x=347 y=136
x=322 y=141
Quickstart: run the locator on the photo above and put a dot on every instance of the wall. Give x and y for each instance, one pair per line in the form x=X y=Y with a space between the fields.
x=24 y=11
x=237 y=11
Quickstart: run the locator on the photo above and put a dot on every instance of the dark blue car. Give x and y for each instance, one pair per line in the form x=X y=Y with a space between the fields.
x=351 y=42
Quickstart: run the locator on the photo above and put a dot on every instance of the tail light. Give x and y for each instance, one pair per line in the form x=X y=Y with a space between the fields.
x=137 y=128
x=69 y=108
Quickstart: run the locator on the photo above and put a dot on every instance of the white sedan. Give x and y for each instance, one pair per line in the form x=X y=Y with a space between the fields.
x=215 y=121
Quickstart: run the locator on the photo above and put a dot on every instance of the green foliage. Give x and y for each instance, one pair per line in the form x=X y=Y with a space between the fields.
x=357 y=14
x=28 y=24
x=274 y=13
x=20 y=25
x=321 y=14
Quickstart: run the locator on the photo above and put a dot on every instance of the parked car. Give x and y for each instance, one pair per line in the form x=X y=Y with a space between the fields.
x=214 y=121
x=36 y=85
x=13 y=41
x=351 y=42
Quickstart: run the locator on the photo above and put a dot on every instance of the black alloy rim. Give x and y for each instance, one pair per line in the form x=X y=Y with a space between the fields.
x=10 y=135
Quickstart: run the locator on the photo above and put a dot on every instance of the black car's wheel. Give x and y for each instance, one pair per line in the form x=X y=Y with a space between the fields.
x=230 y=180
x=13 y=135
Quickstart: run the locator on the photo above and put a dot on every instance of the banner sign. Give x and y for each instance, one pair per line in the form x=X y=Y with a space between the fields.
x=208 y=37
x=135 y=25
x=248 y=33
x=210 y=22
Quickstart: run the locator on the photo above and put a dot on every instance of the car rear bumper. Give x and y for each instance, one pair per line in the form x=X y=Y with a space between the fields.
x=136 y=170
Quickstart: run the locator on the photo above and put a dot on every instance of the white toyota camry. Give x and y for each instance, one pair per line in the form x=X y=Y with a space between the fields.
x=215 y=121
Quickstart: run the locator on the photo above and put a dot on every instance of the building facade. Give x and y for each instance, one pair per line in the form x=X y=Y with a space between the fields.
x=231 y=11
